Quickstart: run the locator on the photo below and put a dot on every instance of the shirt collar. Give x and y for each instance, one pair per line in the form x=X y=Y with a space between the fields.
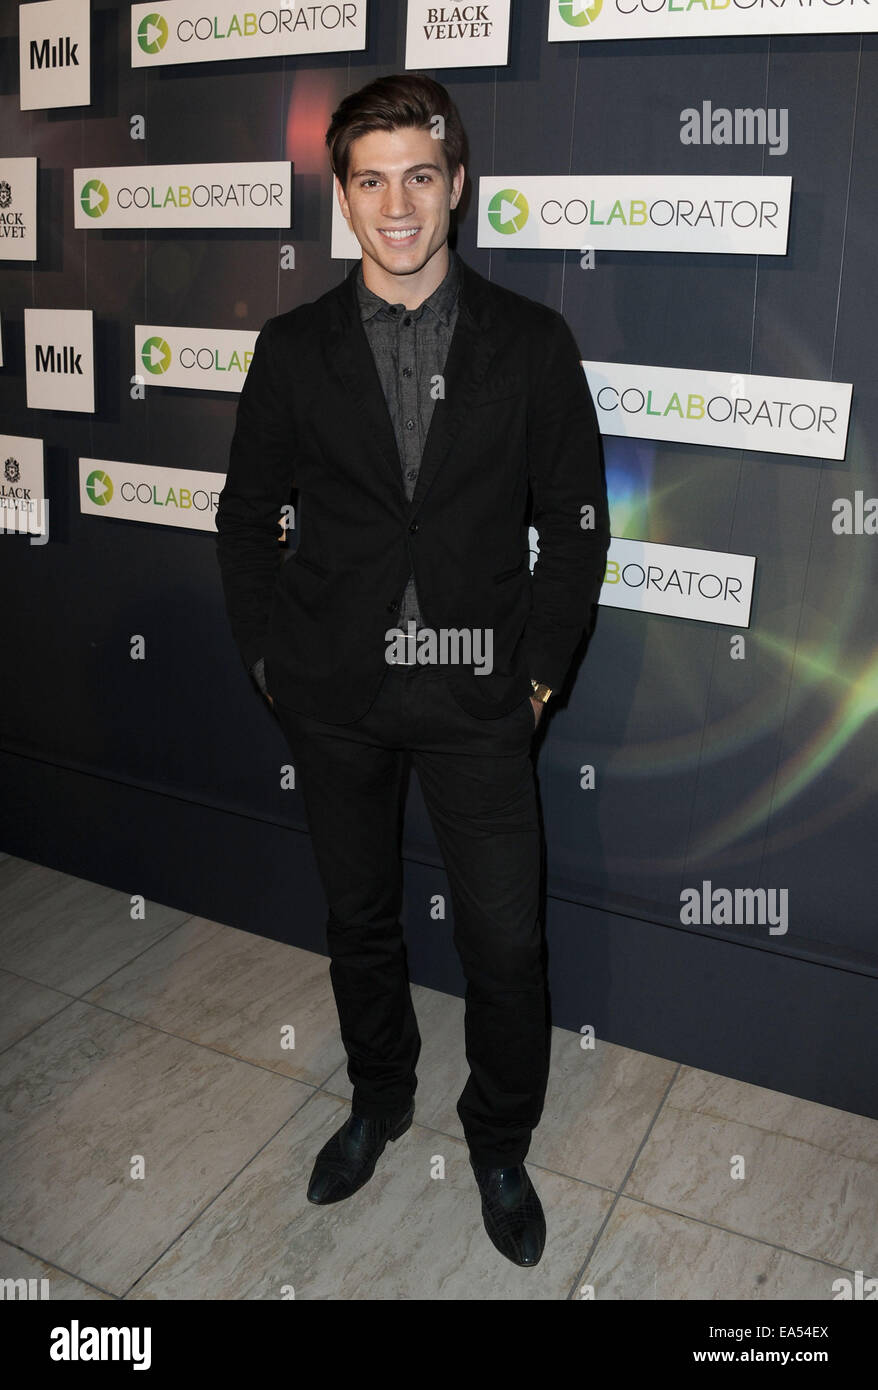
x=441 y=302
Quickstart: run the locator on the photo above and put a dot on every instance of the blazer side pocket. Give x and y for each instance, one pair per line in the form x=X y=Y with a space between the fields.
x=298 y=560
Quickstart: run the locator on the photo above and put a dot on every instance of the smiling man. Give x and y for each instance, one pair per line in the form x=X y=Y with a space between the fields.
x=400 y=212
x=419 y=411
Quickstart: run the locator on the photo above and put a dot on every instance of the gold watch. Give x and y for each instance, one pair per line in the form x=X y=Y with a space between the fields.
x=541 y=692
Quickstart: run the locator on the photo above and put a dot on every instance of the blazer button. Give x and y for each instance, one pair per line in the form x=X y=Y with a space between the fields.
x=413 y=528
x=391 y=607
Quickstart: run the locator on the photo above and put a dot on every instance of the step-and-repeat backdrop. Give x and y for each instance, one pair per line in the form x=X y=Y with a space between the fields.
x=692 y=183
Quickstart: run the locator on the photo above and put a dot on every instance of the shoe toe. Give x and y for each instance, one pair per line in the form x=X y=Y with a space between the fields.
x=530 y=1244
x=327 y=1186
x=322 y=1188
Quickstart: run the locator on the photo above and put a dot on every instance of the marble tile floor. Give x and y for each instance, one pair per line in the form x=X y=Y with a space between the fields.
x=168 y=1080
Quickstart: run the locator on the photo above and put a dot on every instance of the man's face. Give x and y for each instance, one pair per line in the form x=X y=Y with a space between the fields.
x=397 y=183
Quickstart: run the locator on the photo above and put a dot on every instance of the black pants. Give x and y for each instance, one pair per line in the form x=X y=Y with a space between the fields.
x=478 y=782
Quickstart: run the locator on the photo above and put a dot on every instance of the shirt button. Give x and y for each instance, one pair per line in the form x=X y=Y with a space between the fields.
x=413 y=528
x=406 y=371
x=409 y=424
x=406 y=322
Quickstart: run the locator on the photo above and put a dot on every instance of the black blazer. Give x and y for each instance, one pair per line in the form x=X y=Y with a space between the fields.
x=516 y=415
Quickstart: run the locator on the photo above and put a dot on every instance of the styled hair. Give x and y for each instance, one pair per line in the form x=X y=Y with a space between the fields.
x=391 y=103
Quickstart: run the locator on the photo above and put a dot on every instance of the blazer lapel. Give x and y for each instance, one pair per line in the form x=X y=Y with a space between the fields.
x=351 y=357
x=474 y=342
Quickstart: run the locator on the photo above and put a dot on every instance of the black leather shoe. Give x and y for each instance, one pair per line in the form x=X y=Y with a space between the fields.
x=347 y=1160
x=512 y=1213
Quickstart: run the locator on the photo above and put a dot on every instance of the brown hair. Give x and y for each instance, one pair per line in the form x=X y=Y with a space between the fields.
x=390 y=103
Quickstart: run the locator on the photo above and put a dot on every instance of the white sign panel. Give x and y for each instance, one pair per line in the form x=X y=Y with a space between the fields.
x=771 y=414
x=344 y=246
x=206 y=359
x=188 y=31
x=18 y=209
x=22 y=486
x=59 y=358
x=184 y=195
x=54 y=52
x=688 y=19
x=636 y=212
x=140 y=492
x=710 y=586
x=457 y=36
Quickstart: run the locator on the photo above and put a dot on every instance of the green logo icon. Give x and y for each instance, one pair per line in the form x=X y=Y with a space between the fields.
x=572 y=12
x=94 y=198
x=152 y=33
x=99 y=487
x=155 y=356
x=508 y=211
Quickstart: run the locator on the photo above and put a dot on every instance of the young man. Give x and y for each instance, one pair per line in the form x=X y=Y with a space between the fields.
x=413 y=407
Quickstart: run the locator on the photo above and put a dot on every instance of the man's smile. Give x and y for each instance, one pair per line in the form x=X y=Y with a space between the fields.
x=399 y=234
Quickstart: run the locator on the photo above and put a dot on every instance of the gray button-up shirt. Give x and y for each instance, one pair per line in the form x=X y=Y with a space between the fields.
x=409 y=347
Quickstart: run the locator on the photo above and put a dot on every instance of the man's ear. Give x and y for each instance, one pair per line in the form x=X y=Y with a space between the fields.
x=457 y=185
x=342 y=200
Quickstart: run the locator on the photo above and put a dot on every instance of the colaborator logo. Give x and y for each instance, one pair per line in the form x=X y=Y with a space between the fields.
x=156 y=356
x=508 y=211
x=741 y=214
x=152 y=33
x=249 y=193
x=574 y=20
x=578 y=13
x=99 y=486
x=95 y=198
x=184 y=497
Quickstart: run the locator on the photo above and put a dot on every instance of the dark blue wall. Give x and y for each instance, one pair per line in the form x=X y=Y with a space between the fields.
x=162 y=776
